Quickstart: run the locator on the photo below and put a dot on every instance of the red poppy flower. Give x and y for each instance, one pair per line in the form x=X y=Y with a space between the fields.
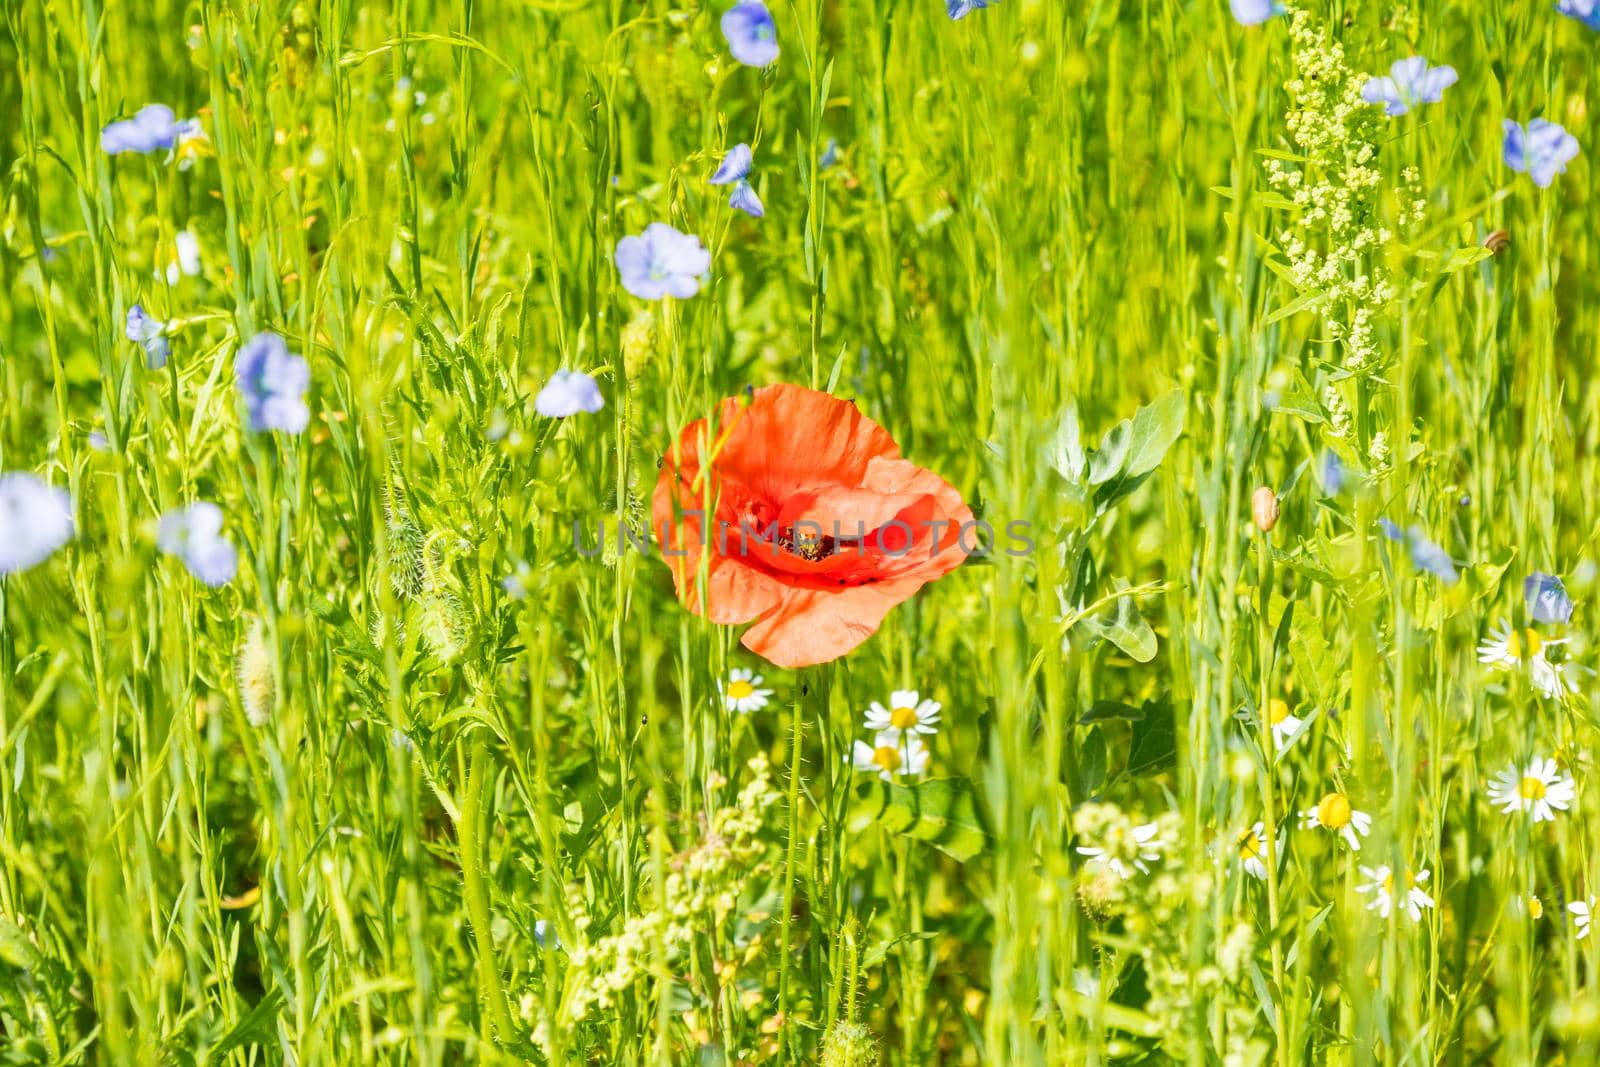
x=800 y=511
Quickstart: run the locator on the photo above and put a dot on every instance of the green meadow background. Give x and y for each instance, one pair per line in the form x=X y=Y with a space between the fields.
x=439 y=823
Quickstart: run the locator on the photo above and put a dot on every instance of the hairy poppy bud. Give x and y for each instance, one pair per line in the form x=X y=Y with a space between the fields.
x=849 y=1045
x=1264 y=507
x=257 y=686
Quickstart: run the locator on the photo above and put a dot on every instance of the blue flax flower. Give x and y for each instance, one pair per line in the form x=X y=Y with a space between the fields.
x=1255 y=12
x=960 y=9
x=1542 y=151
x=735 y=171
x=1585 y=11
x=1331 y=472
x=662 y=262
x=149 y=334
x=1427 y=556
x=751 y=33
x=152 y=129
x=1547 y=598
x=567 y=393
x=273 y=383
x=35 y=520
x=1409 y=83
x=194 y=535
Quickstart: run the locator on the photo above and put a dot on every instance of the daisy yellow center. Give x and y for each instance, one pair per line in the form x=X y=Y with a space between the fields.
x=887 y=757
x=1333 y=811
x=903 y=718
x=1249 y=845
x=1521 y=639
x=1277 y=711
x=739 y=689
x=1532 y=789
x=1388 y=883
x=1535 y=908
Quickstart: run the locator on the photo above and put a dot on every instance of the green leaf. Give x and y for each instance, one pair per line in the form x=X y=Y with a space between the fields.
x=1125 y=627
x=1092 y=761
x=878 y=952
x=1066 y=456
x=1314 y=664
x=1134 y=447
x=1294 y=307
x=1155 y=739
x=1155 y=427
x=1108 y=459
x=1306 y=934
x=1110 y=709
x=255 y=1028
x=941 y=811
x=1462 y=258
x=15 y=948
x=834 y=371
x=1298 y=400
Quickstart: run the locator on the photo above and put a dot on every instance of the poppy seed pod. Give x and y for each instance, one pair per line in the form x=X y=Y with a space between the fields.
x=1264 y=508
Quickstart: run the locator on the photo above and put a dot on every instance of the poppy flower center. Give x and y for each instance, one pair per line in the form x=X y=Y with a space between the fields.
x=1532 y=789
x=903 y=718
x=807 y=544
x=887 y=757
x=1334 y=811
x=739 y=689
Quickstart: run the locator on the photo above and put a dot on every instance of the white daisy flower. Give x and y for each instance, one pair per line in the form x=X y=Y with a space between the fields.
x=742 y=692
x=1505 y=648
x=1380 y=883
x=1582 y=915
x=1284 y=725
x=181 y=257
x=1252 y=844
x=1136 y=846
x=905 y=713
x=891 y=752
x=1333 y=812
x=1541 y=789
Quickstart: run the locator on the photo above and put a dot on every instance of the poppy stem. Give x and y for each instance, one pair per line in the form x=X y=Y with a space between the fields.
x=797 y=724
x=469 y=830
